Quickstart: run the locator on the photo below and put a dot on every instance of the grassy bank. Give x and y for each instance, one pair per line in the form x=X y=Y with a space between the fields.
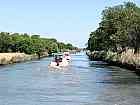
x=9 y=58
x=126 y=59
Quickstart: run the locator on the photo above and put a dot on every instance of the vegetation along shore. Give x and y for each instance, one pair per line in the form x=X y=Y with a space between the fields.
x=117 y=39
x=15 y=47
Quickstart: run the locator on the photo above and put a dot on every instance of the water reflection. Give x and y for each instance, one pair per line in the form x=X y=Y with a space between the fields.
x=84 y=82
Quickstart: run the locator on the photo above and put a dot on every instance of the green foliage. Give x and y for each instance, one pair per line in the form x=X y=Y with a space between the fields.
x=119 y=29
x=5 y=41
x=30 y=44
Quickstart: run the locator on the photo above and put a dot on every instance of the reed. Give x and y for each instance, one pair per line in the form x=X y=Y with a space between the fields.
x=127 y=59
x=8 y=58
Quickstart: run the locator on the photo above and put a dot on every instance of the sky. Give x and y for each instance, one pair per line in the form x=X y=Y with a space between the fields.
x=69 y=21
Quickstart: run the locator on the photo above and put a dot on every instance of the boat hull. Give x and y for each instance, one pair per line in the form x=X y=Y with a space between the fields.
x=64 y=63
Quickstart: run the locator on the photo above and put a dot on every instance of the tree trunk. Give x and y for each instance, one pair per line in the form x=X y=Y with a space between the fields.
x=123 y=49
x=38 y=55
x=136 y=50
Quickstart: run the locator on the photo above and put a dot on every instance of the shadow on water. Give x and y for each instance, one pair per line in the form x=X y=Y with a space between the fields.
x=106 y=74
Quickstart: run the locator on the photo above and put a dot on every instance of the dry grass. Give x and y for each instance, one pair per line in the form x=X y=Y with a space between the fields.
x=130 y=58
x=7 y=58
x=126 y=57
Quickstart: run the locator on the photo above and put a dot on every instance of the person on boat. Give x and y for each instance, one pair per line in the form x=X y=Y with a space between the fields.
x=57 y=61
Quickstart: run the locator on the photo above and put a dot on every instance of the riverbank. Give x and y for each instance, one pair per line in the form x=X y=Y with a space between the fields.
x=10 y=58
x=127 y=59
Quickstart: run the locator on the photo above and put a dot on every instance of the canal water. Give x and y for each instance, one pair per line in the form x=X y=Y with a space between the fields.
x=84 y=82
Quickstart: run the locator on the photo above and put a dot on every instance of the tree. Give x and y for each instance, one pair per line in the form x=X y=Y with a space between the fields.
x=5 y=41
x=118 y=29
x=30 y=45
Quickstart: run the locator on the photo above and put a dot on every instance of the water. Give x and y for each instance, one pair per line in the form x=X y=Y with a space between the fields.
x=84 y=82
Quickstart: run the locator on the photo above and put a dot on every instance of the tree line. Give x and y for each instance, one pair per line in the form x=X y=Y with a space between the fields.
x=33 y=44
x=118 y=30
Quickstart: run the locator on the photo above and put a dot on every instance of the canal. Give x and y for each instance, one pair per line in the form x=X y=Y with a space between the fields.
x=84 y=82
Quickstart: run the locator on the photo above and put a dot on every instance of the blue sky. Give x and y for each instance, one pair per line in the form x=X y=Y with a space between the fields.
x=66 y=20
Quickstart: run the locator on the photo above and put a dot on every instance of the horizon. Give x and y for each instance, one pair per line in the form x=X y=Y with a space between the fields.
x=68 y=22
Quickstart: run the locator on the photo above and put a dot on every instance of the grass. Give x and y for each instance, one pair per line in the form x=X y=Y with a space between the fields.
x=127 y=58
x=8 y=58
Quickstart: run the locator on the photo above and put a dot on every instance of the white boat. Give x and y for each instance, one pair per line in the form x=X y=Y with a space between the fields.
x=59 y=62
x=67 y=56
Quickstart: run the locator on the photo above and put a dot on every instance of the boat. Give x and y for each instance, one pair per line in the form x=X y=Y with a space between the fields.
x=67 y=56
x=59 y=62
